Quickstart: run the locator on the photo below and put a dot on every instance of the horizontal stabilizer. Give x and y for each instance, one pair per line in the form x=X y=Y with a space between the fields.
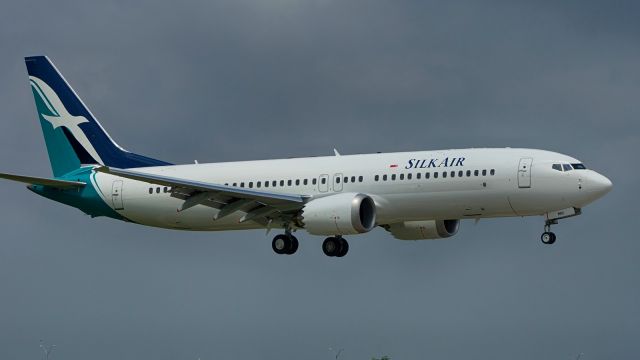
x=62 y=184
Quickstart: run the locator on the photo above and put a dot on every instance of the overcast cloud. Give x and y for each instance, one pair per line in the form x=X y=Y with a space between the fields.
x=240 y=80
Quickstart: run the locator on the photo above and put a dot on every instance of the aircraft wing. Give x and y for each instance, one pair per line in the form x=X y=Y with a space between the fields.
x=32 y=180
x=259 y=206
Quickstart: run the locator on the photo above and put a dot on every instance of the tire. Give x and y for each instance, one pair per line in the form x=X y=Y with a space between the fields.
x=281 y=244
x=344 y=248
x=293 y=246
x=331 y=246
x=548 y=237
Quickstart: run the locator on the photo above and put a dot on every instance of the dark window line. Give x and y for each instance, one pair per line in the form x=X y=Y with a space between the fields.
x=436 y=174
x=354 y=179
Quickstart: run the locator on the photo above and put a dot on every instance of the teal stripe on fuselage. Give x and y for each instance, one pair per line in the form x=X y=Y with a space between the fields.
x=85 y=198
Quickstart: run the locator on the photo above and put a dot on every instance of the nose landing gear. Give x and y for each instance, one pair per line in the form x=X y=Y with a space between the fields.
x=547 y=236
x=551 y=218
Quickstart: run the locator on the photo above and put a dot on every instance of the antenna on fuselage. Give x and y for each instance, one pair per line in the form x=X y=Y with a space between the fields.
x=336 y=152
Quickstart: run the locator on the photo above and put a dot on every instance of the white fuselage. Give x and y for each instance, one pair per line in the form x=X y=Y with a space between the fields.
x=479 y=183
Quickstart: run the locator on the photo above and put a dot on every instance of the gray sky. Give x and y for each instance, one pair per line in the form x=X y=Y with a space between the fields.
x=239 y=80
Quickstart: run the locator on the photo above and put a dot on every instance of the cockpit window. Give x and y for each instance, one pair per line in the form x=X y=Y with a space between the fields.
x=557 y=167
x=567 y=167
x=579 y=166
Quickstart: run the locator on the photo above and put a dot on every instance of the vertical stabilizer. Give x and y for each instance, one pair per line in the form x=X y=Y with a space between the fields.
x=72 y=134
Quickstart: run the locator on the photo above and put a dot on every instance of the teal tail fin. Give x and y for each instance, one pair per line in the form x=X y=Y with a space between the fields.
x=72 y=134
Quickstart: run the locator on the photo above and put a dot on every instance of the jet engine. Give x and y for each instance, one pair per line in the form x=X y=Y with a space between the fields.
x=424 y=229
x=340 y=214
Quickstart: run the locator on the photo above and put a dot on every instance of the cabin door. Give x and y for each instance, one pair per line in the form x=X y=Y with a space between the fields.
x=116 y=195
x=524 y=173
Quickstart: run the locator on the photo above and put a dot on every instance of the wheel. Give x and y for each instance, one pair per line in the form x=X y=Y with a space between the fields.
x=331 y=246
x=293 y=246
x=281 y=244
x=344 y=248
x=548 y=237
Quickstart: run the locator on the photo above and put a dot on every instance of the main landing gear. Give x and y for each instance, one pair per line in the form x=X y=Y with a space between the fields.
x=335 y=246
x=547 y=236
x=285 y=244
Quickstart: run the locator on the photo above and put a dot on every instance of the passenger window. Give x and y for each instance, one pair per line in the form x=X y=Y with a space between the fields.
x=567 y=167
x=475 y=173
x=337 y=180
x=324 y=181
x=158 y=190
x=435 y=175
x=377 y=177
x=289 y=182
x=250 y=184
x=401 y=176
x=556 y=167
x=453 y=174
x=484 y=172
x=166 y=189
x=384 y=177
x=346 y=179
x=468 y=173
x=314 y=181
x=266 y=184
x=460 y=173
x=242 y=184
x=444 y=174
x=281 y=182
x=353 y=179
x=150 y=190
x=235 y=184
x=393 y=177
x=492 y=172
x=409 y=176
x=360 y=178
x=428 y=175
x=418 y=176
x=304 y=182
x=258 y=184
x=297 y=182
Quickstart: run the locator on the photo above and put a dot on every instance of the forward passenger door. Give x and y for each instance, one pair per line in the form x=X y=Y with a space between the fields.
x=524 y=173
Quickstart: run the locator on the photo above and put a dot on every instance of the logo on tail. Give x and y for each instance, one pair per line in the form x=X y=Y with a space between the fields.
x=61 y=117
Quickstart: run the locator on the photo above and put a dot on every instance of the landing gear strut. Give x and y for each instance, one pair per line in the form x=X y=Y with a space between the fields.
x=284 y=244
x=335 y=246
x=547 y=236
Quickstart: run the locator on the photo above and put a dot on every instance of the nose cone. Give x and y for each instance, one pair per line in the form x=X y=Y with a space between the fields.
x=599 y=185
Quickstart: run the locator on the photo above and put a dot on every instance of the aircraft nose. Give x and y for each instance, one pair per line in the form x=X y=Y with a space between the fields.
x=599 y=184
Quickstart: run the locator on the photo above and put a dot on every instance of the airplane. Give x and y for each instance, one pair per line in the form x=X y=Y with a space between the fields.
x=415 y=195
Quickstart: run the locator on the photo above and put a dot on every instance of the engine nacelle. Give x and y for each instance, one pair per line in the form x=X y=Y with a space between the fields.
x=340 y=214
x=424 y=229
